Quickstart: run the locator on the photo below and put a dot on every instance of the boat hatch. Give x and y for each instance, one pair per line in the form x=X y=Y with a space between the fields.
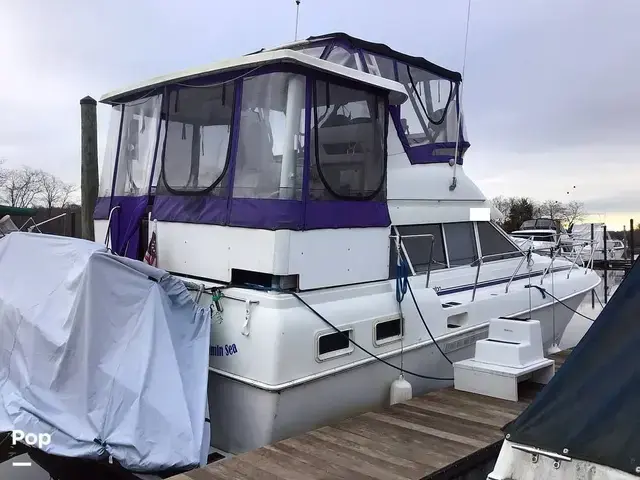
x=281 y=145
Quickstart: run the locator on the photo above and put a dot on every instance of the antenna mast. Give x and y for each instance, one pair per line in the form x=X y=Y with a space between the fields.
x=454 y=179
x=297 y=16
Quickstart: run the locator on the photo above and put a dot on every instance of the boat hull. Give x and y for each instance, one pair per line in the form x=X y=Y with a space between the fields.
x=246 y=416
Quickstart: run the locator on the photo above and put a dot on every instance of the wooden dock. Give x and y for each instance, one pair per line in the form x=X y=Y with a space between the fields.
x=440 y=435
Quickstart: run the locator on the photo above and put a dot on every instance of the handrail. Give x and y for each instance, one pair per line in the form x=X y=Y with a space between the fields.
x=37 y=225
x=548 y=268
x=576 y=258
x=399 y=238
x=485 y=257
x=106 y=237
x=475 y=284
x=524 y=257
x=482 y=259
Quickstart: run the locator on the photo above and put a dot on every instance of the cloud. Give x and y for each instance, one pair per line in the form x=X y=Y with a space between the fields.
x=550 y=94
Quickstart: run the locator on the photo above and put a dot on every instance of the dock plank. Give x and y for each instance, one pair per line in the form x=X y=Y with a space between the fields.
x=427 y=436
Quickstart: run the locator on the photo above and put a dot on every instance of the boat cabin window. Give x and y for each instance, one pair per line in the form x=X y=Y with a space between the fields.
x=461 y=243
x=492 y=242
x=270 y=156
x=198 y=132
x=417 y=244
x=348 y=143
x=454 y=245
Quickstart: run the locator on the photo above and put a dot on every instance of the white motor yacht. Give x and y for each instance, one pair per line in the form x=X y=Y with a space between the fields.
x=315 y=197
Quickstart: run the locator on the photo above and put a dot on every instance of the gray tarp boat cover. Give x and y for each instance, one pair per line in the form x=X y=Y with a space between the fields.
x=591 y=407
x=106 y=354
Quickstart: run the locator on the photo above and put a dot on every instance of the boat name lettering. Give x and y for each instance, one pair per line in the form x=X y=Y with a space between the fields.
x=223 y=350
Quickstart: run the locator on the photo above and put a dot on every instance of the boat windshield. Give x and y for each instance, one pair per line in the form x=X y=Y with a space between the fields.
x=540 y=224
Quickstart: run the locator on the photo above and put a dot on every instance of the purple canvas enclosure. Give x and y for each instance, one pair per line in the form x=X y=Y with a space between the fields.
x=427 y=123
x=277 y=147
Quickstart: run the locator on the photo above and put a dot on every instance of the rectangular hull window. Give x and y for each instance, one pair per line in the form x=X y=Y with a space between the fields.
x=335 y=344
x=388 y=331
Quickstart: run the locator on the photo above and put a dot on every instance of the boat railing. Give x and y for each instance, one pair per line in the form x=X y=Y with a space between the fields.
x=400 y=247
x=579 y=255
x=37 y=226
x=480 y=261
x=106 y=236
x=573 y=257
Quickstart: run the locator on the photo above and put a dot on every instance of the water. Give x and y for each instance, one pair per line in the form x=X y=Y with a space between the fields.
x=578 y=325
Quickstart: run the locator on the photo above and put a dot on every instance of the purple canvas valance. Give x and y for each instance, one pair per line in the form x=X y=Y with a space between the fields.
x=345 y=214
x=271 y=214
x=205 y=209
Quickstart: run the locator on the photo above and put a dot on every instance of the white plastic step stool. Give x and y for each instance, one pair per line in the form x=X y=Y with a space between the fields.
x=512 y=353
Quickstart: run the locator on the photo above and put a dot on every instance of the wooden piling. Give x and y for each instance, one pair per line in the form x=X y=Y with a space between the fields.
x=89 y=165
x=632 y=245
x=593 y=248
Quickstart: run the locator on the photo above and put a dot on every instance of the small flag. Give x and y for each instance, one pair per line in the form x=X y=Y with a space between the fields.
x=151 y=257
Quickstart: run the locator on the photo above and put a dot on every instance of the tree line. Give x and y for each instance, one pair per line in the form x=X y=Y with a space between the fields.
x=517 y=210
x=27 y=187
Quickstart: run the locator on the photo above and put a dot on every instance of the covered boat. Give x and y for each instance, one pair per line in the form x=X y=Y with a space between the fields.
x=103 y=356
x=585 y=422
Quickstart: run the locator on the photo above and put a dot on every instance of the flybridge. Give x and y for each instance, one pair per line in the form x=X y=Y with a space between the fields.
x=427 y=123
x=283 y=140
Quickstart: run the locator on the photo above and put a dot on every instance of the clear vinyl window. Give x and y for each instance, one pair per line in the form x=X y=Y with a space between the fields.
x=198 y=133
x=348 y=152
x=270 y=157
x=430 y=113
x=110 y=152
x=138 y=139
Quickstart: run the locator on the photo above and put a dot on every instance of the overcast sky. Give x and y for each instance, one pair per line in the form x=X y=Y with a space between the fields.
x=551 y=96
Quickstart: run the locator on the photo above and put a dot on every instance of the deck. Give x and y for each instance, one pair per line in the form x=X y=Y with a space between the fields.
x=439 y=435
